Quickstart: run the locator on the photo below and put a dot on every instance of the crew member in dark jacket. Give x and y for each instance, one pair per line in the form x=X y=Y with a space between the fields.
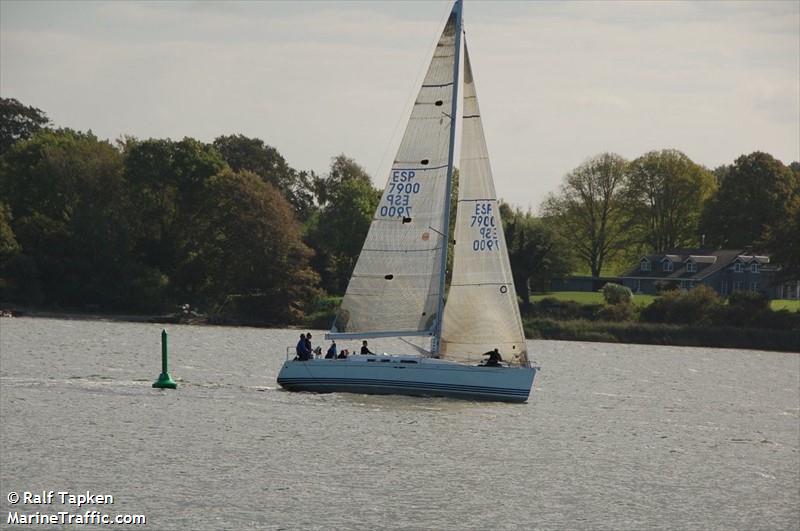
x=331 y=354
x=494 y=358
x=365 y=349
x=303 y=348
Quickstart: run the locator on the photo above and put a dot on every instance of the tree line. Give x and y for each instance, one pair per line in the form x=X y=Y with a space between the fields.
x=227 y=227
x=230 y=228
x=609 y=211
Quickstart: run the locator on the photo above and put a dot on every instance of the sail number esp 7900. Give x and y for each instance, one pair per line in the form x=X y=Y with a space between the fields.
x=398 y=198
x=483 y=219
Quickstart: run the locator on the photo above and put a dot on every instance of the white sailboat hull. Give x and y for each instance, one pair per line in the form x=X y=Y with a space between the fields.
x=408 y=375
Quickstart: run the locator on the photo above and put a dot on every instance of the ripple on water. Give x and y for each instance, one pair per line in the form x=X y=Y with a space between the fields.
x=615 y=436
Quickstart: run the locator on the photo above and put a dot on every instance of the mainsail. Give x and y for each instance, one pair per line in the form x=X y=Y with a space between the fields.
x=482 y=311
x=395 y=287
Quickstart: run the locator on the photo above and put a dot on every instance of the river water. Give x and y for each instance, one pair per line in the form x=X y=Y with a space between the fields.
x=614 y=437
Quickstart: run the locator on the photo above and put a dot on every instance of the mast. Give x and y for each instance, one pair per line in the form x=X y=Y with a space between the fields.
x=437 y=337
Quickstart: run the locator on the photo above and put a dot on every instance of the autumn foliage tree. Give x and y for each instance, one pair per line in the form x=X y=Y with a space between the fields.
x=247 y=259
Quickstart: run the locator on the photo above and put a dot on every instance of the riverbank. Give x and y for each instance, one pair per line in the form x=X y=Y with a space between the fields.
x=663 y=334
x=536 y=327
x=11 y=311
x=184 y=318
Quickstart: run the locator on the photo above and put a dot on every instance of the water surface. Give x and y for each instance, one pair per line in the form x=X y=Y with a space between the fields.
x=614 y=437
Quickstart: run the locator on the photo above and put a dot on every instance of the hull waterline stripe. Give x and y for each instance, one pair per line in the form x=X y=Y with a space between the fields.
x=409 y=391
x=402 y=384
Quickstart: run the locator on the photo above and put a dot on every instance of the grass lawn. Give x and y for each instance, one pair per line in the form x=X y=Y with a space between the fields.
x=785 y=304
x=589 y=297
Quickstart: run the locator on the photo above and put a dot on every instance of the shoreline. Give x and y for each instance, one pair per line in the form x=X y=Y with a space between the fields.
x=546 y=329
x=635 y=333
x=192 y=319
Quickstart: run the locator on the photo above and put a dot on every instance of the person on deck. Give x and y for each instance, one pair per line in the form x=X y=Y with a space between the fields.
x=308 y=345
x=494 y=358
x=343 y=354
x=331 y=354
x=303 y=350
x=365 y=349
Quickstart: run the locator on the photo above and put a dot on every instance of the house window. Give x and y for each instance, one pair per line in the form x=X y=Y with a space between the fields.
x=754 y=287
x=788 y=291
x=723 y=289
x=645 y=265
x=691 y=267
x=754 y=267
x=738 y=285
x=737 y=267
x=667 y=265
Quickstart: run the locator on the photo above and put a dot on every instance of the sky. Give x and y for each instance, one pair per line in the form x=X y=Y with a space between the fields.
x=557 y=82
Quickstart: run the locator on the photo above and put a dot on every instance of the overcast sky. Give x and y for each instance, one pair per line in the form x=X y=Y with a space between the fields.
x=557 y=82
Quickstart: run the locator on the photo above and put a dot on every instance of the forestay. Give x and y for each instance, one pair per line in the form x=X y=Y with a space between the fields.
x=394 y=289
x=482 y=311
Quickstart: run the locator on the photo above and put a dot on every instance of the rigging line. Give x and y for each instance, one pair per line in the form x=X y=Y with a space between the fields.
x=416 y=347
x=437 y=232
x=422 y=70
x=475 y=200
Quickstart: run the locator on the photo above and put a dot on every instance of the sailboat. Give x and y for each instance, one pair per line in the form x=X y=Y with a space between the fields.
x=397 y=288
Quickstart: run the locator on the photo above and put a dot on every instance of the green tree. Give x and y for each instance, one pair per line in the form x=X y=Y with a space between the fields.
x=9 y=251
x=339 y=230
x=343 y=169
x=8 y=242
x=795 y=167
x=536 y=252
x=782 y=240
x=18 y=122
x=68 y=197
x=758 y=196
x=166 y=179
x=588 y=210
x=664 y=197
x=252 y=154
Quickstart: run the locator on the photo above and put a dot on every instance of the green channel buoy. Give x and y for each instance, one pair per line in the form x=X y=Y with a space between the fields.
x=164 y=381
